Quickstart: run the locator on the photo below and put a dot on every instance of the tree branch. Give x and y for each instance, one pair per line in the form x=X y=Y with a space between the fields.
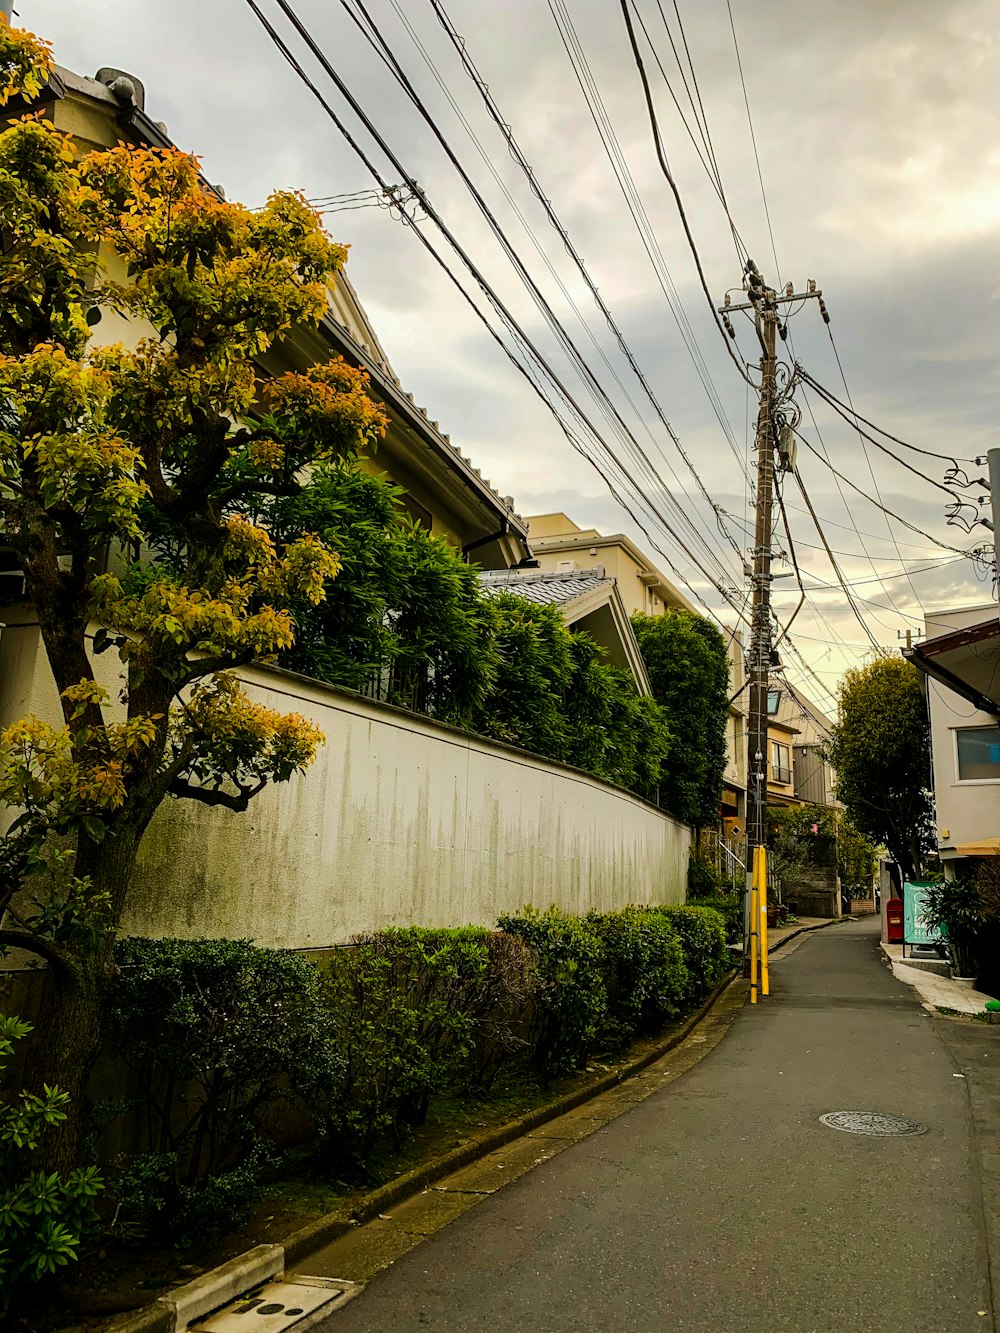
x=213 y=796
x=36 y=944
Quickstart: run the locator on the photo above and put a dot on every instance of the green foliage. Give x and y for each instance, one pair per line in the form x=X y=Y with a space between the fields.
x=645 y=975
x=702 y=933
x=405 y=617
x=526 y=706
x=703 y=879
x=957 y=908
x=153 y=1200
x=730 y=907
x=686 y=660
x=857 y=859
x=416 y=1012
x=880 y=749
x=214 y=1033
x=571 y=1002
x=43 y=1215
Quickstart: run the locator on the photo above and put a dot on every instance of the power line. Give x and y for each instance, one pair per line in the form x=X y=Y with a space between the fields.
x=647 y=235
x=906 y=524
x=378 y=41
x=833 y=562
x=461 y=47
x=753 y=140
x=501 y=310
x=665 y=168
x=835 y=402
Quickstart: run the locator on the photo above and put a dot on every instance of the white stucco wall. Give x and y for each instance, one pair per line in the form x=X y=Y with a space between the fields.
x=400 y=821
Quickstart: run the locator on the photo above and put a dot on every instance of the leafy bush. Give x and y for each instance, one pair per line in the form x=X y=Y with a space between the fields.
x=956 y=908
x=644 y=971
x=215 y=1032
x=151 y=1196
x=42 y=1216
x=702 y=878
x=416 y=1012
x=730 y=907
x=703 y=938
x=571 y=1003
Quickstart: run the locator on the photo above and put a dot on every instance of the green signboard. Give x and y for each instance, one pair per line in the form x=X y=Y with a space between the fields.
x=916 y=928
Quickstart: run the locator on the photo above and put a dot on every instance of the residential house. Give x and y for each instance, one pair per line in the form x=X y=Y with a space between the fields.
x=960 y=663
x=562 y=549
x=443 y=491
x=798 y=773
x=588 y=600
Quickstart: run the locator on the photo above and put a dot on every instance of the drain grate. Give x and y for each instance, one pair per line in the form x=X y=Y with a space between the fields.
x=279 y=1305
x=872 y=1123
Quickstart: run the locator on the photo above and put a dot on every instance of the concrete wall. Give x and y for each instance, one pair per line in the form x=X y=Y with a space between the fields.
x=400 y=821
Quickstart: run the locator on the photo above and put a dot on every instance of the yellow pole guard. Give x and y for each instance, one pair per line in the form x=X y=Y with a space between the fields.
x=765 y=981
x=754 y=926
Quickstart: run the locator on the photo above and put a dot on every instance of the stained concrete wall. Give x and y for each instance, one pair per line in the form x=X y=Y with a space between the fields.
x=399 y=821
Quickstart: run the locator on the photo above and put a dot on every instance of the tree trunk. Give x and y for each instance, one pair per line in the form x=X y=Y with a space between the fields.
x=67 y=1037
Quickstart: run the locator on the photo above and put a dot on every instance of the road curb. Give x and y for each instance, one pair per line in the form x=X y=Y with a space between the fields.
x=219 y=1285
x=804 y=930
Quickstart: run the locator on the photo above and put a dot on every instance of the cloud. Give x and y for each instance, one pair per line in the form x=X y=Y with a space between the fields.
x=876 y=127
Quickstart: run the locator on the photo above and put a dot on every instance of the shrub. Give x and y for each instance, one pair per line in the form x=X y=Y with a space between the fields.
x=150 y=1192
x=730 y=907
x=415 y=1012
x=571 y=1002
x=42 y=1216
x=644 y=970
x=703 y=938
x=215 y=1033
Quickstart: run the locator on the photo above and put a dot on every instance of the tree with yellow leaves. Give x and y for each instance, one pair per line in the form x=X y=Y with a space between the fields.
x=102 y=452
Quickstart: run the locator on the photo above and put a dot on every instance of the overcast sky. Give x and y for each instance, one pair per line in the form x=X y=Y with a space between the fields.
x=878 y=129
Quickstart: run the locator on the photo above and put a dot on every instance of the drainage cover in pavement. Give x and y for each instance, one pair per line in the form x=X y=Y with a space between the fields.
x=278 y=1305
x=872 y=1123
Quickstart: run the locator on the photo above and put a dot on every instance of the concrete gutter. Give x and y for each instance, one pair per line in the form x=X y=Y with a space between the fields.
x=177 y=1309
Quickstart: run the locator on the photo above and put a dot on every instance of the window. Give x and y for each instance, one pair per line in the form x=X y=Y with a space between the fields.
x=978 y=753
x=773 y=699
x=781 y=762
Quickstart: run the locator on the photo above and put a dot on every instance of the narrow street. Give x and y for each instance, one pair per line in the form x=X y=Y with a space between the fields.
x=723 y=1203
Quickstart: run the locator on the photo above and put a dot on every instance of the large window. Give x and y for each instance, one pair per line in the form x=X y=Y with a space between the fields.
x=781 y=762
x=978 y=754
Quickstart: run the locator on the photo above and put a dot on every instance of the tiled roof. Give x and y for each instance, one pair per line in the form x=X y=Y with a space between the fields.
x=549 y=588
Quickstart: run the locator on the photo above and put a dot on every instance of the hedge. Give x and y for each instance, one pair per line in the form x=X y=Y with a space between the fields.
x=219 y=1038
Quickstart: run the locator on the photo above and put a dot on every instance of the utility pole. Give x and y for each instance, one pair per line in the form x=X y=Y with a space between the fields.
x=764 y=303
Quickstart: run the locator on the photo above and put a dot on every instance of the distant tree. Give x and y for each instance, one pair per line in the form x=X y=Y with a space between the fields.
x=688 y=669
x=107 y=452
x=880 y=750
x=857 y=858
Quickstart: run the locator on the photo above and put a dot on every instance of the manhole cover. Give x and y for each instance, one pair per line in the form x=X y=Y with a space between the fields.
x=872 y=1123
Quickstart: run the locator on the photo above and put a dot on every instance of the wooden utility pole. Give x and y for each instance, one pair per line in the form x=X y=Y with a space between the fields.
x=764 y=303
x=759 y=664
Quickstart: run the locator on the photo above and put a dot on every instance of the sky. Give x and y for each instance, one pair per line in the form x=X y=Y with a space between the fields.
x=877 y=128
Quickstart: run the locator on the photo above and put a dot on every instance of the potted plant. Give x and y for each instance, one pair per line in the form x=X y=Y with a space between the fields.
x=955 y=908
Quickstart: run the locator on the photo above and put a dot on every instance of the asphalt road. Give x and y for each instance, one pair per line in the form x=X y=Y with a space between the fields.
x=722 y=1203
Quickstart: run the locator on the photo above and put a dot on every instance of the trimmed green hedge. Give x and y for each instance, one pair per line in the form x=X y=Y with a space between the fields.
x=730 y=907
x=220 y=1038
x=703 y=939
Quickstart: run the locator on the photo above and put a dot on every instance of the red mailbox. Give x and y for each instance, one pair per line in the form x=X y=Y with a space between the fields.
x=894 y=920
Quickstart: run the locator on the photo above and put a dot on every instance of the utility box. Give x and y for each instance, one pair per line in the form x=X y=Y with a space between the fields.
x=894 y=920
